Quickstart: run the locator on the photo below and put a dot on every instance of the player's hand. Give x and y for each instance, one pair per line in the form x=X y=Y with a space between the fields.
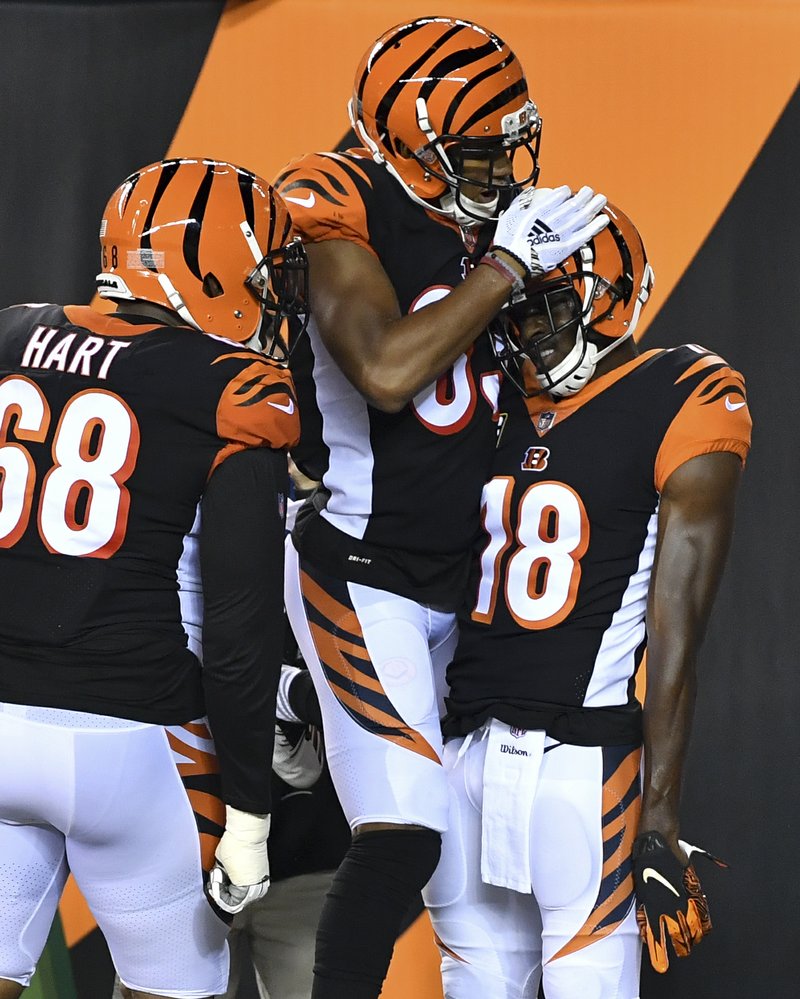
x=298 y=756
x=543 y=226
x=672 y=909
x=241 y=873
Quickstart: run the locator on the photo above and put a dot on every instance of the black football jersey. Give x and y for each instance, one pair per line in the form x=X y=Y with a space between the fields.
x=554 y=628
x=401 y=490
x=111 y=428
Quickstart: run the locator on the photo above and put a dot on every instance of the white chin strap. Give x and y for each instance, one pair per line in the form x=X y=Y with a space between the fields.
x=176 y=302
x=476 y=213
x=575 y=371
x=570 y=375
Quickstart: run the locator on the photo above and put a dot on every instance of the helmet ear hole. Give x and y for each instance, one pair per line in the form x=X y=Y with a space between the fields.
x=212 y=288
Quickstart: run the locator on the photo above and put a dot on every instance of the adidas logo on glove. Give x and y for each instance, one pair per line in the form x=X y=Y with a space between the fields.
x=542 y=234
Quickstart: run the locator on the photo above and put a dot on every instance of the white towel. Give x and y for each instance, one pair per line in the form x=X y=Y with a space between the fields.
x=510 y=776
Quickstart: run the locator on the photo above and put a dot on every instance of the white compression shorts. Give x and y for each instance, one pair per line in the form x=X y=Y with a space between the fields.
x=378 y=663
x=105 y=799
x=558 y=822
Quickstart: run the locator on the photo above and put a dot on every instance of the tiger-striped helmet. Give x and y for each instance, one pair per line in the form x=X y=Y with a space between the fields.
x=435 y=92
x=207 y=240
x=596 y=296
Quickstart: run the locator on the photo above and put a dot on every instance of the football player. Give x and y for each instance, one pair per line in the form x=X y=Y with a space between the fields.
x=118 y=430
x=607 y=517
x=415 y=241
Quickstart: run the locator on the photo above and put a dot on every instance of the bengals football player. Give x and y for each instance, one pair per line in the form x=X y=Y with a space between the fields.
x=121 y=434
x=415 y=240
x=606 y=516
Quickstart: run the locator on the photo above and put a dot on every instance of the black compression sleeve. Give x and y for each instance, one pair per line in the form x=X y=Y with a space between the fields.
x=241 y=563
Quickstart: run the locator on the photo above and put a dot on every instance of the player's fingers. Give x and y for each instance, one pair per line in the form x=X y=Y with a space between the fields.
x=698 y=925
x=657 y=949
x=583 y=206
x=544 y=201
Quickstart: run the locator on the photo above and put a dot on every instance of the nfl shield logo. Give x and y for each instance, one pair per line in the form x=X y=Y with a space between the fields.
x=545 y=421
x=518 y=733
x=469 y=237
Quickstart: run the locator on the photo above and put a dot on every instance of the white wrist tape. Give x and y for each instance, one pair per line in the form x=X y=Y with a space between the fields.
x=242 y=851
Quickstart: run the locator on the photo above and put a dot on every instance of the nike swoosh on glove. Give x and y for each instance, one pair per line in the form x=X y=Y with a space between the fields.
x=672 y=909
x=241 y=873
x=544 y=226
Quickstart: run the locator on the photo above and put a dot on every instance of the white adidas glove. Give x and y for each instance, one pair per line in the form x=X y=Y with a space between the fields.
x=299 y=762
x=543 y=226
x=241 y=873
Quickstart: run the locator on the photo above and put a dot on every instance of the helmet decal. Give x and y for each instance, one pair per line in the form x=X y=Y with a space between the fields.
x=205 y=239
x=436 y=92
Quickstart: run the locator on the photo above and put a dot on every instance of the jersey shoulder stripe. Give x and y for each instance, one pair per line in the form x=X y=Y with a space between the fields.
x=329 y=195
x=714 y=415
x=257 y=407
x=87 y=318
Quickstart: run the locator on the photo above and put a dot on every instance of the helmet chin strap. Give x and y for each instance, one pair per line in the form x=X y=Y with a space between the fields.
x=573 y=372
x=577 y=368
x=176 y=302
x=466 y=212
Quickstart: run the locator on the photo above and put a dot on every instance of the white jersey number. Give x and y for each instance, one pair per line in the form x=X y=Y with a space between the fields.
x=447 y=406
x=543 y=573
x=83 y=509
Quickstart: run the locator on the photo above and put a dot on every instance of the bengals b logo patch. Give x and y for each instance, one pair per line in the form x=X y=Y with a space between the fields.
x=535 y=459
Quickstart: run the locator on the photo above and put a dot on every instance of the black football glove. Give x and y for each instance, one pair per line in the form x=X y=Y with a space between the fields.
x=671 y=904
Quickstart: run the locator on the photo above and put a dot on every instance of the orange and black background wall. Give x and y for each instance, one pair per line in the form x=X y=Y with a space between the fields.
x=685 y=114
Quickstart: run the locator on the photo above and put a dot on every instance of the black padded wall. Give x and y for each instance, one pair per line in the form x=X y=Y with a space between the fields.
x=88 y=92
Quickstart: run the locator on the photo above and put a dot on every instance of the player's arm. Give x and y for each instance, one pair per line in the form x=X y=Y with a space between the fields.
x=389 y=357
x=695 y=525
x=241 y=561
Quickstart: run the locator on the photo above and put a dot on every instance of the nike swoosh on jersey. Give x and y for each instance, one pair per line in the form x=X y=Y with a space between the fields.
x=650 y=872
x=733 y=406
x=308 y=202
x=288 y=408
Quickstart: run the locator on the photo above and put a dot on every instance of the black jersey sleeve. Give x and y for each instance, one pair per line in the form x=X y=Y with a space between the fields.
x=241 y=564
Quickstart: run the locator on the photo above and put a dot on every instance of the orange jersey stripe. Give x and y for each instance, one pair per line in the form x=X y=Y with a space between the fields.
x=324 y=192
x=714 y=418
x=257 y=408
x=106 y=325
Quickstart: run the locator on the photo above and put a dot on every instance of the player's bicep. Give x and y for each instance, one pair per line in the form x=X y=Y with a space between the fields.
x=695 y=525
x=353 y=302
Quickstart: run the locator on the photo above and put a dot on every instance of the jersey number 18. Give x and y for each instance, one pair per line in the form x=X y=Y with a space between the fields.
x=544 y=570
